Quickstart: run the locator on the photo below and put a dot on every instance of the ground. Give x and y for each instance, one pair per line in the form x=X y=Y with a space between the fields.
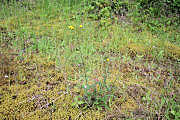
x=46 y=58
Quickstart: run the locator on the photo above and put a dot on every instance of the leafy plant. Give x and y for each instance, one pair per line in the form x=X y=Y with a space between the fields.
x=98 y=95
x=98 y=9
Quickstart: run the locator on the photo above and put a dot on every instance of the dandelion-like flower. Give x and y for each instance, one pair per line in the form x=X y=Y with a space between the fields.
x=71 y=27
x=80 y=26
x=107 y=59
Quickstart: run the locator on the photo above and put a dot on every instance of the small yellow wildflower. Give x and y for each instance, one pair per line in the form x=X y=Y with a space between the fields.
x=107 y=59
x=71 y=27
x=80 y=26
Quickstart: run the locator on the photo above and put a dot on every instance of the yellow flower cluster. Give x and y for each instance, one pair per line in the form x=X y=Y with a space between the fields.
x=72 y=28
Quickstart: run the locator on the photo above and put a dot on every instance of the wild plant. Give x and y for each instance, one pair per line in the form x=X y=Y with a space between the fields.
x=98 y=95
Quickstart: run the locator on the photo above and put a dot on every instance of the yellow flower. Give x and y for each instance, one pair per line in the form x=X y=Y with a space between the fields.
x=80 y=26
x=107 y=59
x=71 y=27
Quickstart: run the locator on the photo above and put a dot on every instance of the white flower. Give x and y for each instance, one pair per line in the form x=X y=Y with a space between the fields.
x=6 y=76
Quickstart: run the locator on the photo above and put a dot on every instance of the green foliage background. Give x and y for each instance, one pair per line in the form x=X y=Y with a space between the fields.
x=150 y=8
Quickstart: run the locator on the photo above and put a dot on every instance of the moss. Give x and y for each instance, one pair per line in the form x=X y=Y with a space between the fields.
x=137 y=48
x=37 y=92
x=129 y=105
x=172 y=50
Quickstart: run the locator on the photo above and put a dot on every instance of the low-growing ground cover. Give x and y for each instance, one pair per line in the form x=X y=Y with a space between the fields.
x=58 y=64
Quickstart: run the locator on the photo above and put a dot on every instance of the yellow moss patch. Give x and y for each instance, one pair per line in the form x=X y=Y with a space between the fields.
x=129 y=105
x=24 y=101
x=172 y=50
x=138 y=48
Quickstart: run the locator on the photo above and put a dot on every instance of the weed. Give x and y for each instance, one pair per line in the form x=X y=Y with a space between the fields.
x=98 y=94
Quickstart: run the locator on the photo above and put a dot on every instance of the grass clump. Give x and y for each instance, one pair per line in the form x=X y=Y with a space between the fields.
x=97 y=94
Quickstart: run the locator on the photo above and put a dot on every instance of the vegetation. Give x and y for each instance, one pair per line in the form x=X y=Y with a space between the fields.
x=89 y=59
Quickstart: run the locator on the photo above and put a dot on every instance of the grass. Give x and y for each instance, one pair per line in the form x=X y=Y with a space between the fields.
x=44 y=64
